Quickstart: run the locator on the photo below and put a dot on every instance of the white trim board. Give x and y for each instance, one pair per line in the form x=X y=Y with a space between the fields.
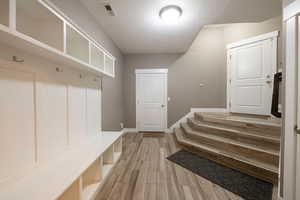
x=129 y=130
x=266 y=36
x=151 y=71
x=291 y=10
x=191 y=113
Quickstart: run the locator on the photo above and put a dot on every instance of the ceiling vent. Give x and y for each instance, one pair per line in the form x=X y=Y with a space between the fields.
x=109 y=9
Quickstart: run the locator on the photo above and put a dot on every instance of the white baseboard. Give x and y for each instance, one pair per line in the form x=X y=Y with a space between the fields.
x=129 y=130
x=191 y=113
x=193 y=110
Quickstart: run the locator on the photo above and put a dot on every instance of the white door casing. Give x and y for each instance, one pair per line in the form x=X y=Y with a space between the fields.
x=251 y=67
x=151 y=99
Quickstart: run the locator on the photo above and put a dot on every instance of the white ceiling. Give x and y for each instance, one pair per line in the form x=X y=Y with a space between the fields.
x=137 y=28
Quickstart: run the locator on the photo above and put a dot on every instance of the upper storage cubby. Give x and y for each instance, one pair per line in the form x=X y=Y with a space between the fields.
x=77 y=45
x=40 y=28
x=97 y=57
x=36 y=21
x=109 y=65
x=4 y=12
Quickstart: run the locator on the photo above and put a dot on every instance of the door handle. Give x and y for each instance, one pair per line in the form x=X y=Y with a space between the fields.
x=162 y=105
x=275 y=98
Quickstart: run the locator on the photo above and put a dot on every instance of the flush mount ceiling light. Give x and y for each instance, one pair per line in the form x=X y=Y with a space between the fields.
x=170 y=14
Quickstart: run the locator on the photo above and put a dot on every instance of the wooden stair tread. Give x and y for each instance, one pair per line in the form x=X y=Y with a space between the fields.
x=229 y=141
x=248 y=134
x=186 y=141
x=244 y=120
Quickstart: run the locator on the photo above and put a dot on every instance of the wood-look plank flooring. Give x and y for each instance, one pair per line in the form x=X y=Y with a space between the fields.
x=144 y=173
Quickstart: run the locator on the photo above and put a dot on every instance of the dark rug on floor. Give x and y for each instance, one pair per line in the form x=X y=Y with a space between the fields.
x=247 y=187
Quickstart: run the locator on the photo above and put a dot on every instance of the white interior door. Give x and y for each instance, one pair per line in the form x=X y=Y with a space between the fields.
x=151 y=100
x=252 y=66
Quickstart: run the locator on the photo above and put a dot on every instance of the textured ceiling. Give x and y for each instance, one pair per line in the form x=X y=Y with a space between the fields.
x=137 y=28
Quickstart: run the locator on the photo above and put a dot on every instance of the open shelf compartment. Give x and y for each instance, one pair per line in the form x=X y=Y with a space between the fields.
x=40 y=28
x=36 y=21
x=118 y=145
x=108 y=160
x=91 y=180
x=77 y=46
x=4 y=12
x=109 y=65
x=97 y=57
x=73 y=192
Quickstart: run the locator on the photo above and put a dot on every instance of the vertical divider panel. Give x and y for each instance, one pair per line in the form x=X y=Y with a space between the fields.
x=12 y=14
x=65 y=38
x=90 y=52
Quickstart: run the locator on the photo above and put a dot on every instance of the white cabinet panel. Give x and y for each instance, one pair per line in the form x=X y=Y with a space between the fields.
x=17 y=123
x=51 y=120
x=94 y=111
x=77 y=114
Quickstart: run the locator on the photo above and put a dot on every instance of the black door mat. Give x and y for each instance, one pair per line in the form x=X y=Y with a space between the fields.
x=247 y=187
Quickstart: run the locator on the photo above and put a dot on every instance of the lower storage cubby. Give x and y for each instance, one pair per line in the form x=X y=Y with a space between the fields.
x=91 y=180
x=108 y=160
x=118 y=145
x=73 y=192
x=77 y=174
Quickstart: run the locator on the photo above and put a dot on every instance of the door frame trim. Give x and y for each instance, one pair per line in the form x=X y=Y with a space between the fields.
x=152 y=71
x=272 y=36
x=258 y=38
x=162 y=70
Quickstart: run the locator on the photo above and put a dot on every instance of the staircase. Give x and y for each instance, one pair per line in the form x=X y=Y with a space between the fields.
x=245 y=143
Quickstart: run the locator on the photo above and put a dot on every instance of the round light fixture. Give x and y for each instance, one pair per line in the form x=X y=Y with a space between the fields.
x=170 y=14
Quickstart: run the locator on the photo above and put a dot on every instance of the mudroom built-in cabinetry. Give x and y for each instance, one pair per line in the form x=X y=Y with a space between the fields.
x=52 y=145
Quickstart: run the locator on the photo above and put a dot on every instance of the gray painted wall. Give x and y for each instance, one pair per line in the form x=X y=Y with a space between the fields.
x=112 y=108
x=204 y=63
x=138 y=61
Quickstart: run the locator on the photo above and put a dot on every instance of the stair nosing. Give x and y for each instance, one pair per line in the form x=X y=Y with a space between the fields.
x=249 y=135
x=229 y=141
x=204 y=147
x=240 y=120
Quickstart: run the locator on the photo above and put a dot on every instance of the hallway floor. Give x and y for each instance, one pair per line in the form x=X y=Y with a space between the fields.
x=143 y=173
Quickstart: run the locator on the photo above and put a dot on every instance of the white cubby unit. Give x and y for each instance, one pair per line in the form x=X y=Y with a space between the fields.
x=77 y=175
x=40 y=28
